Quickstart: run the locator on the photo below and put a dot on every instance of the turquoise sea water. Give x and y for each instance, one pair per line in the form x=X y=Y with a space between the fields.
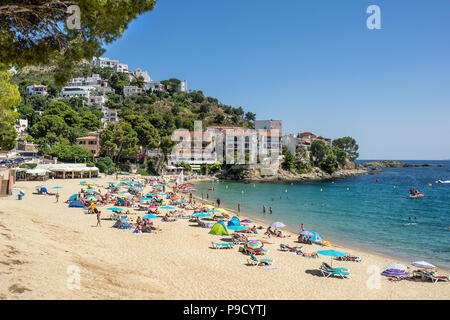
x=357 y=210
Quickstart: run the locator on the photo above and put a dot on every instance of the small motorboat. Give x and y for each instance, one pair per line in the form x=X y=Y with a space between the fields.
x=414 y=193
x=443 y=181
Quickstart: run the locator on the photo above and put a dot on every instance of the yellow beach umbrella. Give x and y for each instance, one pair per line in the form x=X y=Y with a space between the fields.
x=208 y=206
x=222 y=210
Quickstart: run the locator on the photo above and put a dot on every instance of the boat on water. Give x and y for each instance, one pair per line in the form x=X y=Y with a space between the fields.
x=443 y=181
x=414 y=193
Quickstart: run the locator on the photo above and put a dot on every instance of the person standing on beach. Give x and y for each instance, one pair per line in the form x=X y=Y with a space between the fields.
x=202 y=195
x=239 y=207
x=264 y=209
x=207 y=196
x=99 y=220
x=302 y=227
x=190 y=197
x=270 y=210
x=57 y=197
x=218 y=202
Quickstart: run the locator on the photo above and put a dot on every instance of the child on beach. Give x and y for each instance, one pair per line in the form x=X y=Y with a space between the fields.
x=57 y=197
x=99 y=223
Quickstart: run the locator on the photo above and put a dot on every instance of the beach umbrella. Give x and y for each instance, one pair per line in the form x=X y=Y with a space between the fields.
x=201 y=215
x=222 y=210
x=246 y=221
x=149 y=216
x=212 y=210
x=423 y=265
x=237 y=228
x=277 y=224
x=91 y=198
x=153 y=207
x=208 y=206
x=56 y=187
x=168 y=208
x=146 y=199
x=395 y=273
x=115 y=209
x=332 y=253
x=396 y=266
x=73 y=197
x=89 y=191
x=254 y=245
x=162 y=194
x=306 y=233
x=112 y=182
x=150 y=195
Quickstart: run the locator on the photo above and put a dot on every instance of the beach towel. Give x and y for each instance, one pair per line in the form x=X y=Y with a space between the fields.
x=269 y=267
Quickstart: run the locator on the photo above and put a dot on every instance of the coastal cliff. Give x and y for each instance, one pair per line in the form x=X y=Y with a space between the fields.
x=316 y=174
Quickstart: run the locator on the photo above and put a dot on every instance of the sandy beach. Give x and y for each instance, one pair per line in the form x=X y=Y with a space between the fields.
x=42 y=242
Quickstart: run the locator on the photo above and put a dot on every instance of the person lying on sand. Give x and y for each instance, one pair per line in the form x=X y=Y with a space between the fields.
x=166 y=218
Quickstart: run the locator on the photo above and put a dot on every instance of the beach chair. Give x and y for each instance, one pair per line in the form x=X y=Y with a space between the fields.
x=285 y=247
x=436 y=278
x=328 y=271
x=216 y=245
x=255 y=261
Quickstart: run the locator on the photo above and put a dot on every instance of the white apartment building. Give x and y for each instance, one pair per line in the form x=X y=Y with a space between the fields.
x=182 y=87
x=139 y=73
x=37 y=89
x=97 y=100
x=108 y=63
x=131 y=90
x=71 y=92
x=109 y=115
x=94 y=81
x=154 y=86
x=21 y=126
x=268 y=125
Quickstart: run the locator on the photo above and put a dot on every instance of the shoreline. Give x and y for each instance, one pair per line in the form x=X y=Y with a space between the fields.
x=335 y=242
x=42 y=240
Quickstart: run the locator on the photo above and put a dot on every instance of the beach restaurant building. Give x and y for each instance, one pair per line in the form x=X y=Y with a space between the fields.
x=44 y=172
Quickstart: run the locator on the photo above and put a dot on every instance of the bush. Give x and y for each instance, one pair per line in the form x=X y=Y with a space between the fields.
x=28 y=165
x=288 y=162
x=142 y=172
x=106 y=165
x=329 y=162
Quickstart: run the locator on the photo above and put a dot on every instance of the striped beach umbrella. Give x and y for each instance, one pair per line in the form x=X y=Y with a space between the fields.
x=396 y=266
x=254 y=245
x=396 y=273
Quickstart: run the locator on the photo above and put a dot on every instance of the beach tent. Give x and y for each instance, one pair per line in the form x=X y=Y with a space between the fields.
x=315 y=237
x=73 y=197
x=120 y=202
x=122 y=223
x=219 y=229
x=234 y=222
x=76 y=204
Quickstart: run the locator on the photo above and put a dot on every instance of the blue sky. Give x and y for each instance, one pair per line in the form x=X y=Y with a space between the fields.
x=311 y=63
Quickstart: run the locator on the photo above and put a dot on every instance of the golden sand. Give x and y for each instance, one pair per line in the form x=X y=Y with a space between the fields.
x=43 y=244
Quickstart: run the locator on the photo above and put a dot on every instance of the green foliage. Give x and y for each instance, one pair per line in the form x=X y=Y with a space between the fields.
x=119 y=140
x=349 y=145
x=184 y=165
x=33 y=33
x=329 y=162
x=106 y=165
x=288 y=162
x=70 y=153
x=9 y=100
x=28 y=165
x=318 y=150
x=340 y=154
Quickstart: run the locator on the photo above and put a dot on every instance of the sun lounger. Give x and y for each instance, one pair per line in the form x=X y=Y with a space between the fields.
x=255 y=261
x=216 y=245
x=436 y=278
x=285 y=247
x=349 y=258
x=328 y=271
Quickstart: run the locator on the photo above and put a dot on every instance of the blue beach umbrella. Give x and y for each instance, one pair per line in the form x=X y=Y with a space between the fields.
x=212 y=210
x=168 y=208
x=150 y=195
x=306 y=233
x=149 y=216
x=162 y=194
x=112 y=182
x=146 y=199
x=332 y=253
x=115 y=209
x=237 y=228
x=89 y=191
x=201 y=215
x=56 y=187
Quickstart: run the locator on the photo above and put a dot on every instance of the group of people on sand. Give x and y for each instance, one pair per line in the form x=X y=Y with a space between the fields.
x=275 y=233
x=145 y=226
